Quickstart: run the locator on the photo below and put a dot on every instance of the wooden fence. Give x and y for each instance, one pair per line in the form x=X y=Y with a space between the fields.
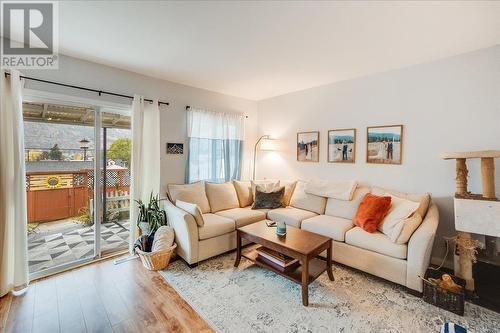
x=57 y=195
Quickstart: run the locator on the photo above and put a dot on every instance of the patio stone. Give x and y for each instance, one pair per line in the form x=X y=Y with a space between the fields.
x=47 y=250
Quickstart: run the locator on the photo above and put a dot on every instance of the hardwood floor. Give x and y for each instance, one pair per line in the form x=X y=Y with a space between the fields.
x=100 y=297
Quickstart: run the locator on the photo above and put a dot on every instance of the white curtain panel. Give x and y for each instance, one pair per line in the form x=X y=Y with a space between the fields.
x=145 y=167
x=13 y=219
x=215 y=145
x=204 y=124
x=151 y=150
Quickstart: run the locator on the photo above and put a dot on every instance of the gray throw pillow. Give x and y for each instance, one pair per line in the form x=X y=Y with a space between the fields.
x=269 y=200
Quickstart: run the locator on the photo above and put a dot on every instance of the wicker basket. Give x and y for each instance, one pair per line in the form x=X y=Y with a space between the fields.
x=158 y=260
x=443 y=298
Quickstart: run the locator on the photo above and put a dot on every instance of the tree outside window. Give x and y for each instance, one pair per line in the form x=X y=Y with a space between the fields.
x=121 y=149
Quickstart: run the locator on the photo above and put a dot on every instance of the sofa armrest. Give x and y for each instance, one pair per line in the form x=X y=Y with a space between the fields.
x=186 y=231
x=420 y=248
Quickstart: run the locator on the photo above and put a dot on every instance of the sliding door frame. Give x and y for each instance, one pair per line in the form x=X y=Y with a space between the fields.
x=98 y=195
x=99 y=106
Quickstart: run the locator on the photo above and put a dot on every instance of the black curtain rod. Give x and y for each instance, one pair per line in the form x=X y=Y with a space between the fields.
x=100 y=92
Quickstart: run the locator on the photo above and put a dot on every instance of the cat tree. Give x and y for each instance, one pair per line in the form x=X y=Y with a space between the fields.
x=474 y=213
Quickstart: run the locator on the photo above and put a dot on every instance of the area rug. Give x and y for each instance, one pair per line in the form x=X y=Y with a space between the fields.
x=252 y=299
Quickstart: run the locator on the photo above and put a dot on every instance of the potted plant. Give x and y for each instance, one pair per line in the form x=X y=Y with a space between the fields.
x=149 y=220
x=150 y=216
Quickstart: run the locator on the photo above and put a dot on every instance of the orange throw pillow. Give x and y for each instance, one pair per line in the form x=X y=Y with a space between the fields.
x=371 y=212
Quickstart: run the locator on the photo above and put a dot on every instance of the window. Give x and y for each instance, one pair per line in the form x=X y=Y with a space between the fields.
x=215 y=146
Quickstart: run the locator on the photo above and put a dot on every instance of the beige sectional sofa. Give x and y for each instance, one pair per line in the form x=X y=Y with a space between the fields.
x=225 y=207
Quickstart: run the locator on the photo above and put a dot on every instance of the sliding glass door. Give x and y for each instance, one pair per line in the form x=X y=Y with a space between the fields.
x=77 y=182
x=59 y=158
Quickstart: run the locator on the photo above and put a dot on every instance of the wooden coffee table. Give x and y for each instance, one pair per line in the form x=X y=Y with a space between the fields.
x=299 y=244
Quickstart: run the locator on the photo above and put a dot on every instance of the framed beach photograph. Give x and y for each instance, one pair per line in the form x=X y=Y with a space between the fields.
x=342 y=145
x=385 y=144
x=308 y=146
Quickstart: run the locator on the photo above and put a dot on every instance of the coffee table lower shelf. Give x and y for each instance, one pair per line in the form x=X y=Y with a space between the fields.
x=316 y=267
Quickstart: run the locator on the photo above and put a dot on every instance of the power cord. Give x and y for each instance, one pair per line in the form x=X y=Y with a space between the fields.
x=446 y=239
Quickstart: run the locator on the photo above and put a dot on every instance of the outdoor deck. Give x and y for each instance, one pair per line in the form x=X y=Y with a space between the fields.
x=60 y=214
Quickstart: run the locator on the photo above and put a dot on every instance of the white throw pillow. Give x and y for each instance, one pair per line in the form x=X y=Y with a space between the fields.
x=400 y=221
x=411 y=224
x=423 y=198
x=221 y=196
x=192 y=209
x=266 y=186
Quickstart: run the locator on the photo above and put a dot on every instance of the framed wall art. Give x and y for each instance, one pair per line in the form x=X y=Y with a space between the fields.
x=175 y=148
x=308 y=146
x=384 y=144
x=342 y=145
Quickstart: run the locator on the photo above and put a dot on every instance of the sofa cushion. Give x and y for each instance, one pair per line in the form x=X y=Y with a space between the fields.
x=330 y=226
x=400 y=221
x=192 y=209
x=289 y=188
x=221 y=196
x=193 y=193
x=346 y=209
x=376 y=242
x=244 y=192
x=243 y=216
x=263 y=210
x=422 y=198
x=302 y=200
x=215 y=225
x=290 y=215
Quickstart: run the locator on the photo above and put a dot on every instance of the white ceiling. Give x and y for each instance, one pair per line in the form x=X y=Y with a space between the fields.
x=262 y=49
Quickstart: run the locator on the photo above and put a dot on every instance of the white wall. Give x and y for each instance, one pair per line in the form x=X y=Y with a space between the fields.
x=173 y=117
x=447 y=105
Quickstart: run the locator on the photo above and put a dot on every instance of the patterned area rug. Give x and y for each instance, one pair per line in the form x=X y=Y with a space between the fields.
x=46 y=251
x=252 y=299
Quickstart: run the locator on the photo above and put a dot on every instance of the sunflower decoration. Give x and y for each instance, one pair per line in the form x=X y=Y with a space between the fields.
x=53 y=181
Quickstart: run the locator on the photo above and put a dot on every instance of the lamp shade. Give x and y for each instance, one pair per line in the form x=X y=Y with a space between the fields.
x=269 y=145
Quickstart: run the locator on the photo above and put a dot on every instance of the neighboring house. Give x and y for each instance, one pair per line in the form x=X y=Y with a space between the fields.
x=40 y=166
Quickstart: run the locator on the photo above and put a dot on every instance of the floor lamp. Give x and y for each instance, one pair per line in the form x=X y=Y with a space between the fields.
x=266 y=143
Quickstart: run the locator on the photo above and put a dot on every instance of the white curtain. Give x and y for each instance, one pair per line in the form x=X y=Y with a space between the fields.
x=13 y=219
x=145 y=167
x=215 y=145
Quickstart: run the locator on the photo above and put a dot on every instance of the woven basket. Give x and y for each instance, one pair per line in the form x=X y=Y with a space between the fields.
x=443 y=298
x=158 y=260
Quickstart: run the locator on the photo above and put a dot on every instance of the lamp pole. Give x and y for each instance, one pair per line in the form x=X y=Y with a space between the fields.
x=84 y=145
x=255 y=153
